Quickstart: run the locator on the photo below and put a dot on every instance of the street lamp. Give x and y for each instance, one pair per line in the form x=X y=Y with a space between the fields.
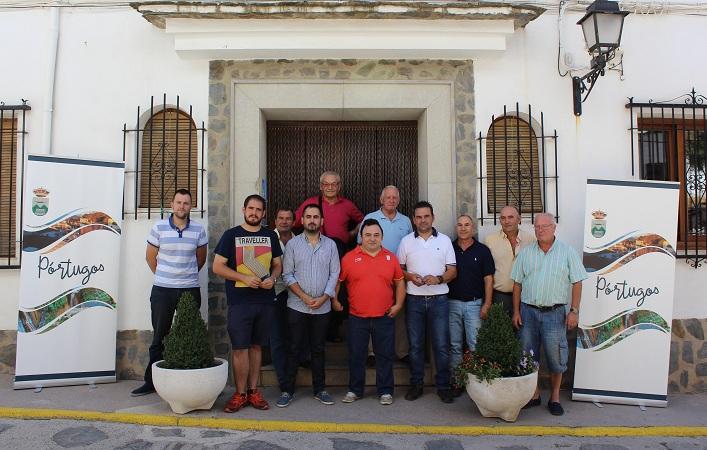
x=602 y=26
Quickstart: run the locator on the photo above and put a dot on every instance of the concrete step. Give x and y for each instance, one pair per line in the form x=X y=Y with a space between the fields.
x=338 y=375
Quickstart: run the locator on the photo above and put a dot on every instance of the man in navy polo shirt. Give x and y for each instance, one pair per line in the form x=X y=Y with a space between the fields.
x=176 y=251
x=470 y=293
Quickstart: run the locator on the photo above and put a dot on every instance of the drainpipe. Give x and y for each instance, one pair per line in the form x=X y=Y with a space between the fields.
x=52 y=50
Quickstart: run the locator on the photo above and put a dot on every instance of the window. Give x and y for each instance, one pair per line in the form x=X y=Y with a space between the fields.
x=671 y=139
x=514 y=165
x=12 y=135
x=168 y=158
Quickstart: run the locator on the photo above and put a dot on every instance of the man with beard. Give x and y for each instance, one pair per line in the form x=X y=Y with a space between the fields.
x=248 y=258
x=310 y=270
x=342 y=219
x=176 y=251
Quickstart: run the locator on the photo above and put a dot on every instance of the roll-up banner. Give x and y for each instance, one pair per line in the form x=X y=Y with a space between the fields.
x=623 y=338
x=71 y=230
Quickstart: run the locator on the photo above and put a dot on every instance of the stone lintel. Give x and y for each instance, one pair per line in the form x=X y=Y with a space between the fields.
x=157 y=12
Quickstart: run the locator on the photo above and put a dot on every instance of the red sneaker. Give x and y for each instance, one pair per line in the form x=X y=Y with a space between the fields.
x=237 y=402
x=257 y=400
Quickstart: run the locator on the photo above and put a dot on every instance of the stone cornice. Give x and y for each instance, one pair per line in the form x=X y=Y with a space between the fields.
x=157 y=12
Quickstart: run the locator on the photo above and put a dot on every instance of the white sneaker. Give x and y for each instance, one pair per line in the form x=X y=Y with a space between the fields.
x=350 y=397
x=386 y=399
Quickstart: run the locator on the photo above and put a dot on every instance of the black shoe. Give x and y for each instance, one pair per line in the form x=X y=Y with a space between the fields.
x=143 y=390
x=457 y=392
x=371 y=361
x=532 y=403
x=555 y=408
x=414 y=392
x=446 y=395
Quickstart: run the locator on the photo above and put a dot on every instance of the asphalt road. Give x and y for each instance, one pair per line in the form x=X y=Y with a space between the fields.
x=17 y=434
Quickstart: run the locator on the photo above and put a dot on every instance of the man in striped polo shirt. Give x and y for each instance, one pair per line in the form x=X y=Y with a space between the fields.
x=544 y=273
x=176 y=251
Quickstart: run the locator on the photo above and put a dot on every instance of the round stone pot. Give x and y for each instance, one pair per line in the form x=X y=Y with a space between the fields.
x=190 y=389
x=502 y=397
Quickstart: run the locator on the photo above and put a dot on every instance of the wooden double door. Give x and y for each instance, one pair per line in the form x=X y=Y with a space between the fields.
x=367 y=155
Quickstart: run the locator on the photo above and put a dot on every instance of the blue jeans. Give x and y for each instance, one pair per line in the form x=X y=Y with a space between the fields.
x=428 y=314
x=549 y=328
x=464 y=319
x=381 y=331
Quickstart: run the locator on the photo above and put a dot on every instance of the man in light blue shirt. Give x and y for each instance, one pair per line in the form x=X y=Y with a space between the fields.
x=311 y=271
x=395 y=227
x=544 y=273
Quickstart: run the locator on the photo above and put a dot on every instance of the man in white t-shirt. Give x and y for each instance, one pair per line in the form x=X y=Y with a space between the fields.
x=429 y=263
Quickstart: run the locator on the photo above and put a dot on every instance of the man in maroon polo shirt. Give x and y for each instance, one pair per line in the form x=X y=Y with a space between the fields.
x=341 y=220
x=342 y=215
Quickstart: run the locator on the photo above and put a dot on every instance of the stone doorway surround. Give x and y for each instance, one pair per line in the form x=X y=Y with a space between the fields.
x=243 y=95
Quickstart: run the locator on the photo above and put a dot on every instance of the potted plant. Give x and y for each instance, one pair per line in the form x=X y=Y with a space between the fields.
x=189 y=377
x=499 y=376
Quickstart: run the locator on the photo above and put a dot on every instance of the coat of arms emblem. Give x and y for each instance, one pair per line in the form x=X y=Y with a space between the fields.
x=598 y=227
x=40 y=201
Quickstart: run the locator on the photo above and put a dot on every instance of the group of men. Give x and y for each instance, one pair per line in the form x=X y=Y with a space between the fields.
x=284 y=289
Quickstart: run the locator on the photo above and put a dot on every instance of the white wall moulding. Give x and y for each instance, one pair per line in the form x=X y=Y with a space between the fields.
x=335 y=29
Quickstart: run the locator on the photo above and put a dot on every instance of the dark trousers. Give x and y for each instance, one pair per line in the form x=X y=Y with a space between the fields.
x=505 y=299
x=163 y=304
x=381 y=331
x=428 y=316
x=279 y=338
x=306 y=331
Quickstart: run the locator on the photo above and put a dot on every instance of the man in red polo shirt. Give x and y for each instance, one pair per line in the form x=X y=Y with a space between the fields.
x=376 y=287
x=341 y=219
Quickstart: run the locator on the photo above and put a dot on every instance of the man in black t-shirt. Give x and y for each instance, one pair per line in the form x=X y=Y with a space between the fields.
x=248 y=257
x=470 y=293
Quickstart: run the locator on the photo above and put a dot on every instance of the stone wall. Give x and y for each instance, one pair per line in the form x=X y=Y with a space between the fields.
x=132 y=353
x=223 y=74
x=688 y=356
x=8 y=345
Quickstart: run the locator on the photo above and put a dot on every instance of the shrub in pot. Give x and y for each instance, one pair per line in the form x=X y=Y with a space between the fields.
x=499 y=376
x=189 y=377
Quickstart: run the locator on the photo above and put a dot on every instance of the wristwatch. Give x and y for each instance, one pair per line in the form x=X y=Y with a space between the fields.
x=440 y=278
x=574 y=310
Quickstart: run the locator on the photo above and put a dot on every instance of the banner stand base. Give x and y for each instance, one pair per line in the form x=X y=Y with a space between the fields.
x=620 y=398
x=90 y=381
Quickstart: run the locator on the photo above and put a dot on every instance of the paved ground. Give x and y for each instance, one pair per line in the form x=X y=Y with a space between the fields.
x=106 y=416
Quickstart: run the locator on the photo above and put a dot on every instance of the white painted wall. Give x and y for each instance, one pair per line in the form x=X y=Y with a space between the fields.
x=111 y=60
x=661 y=62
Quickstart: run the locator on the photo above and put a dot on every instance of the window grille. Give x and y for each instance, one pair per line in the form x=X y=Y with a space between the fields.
x=669 y=140
x=168 y=155
x=12 y=152
x=517 y=166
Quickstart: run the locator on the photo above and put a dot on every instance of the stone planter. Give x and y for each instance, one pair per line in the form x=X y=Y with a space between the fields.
x=502 y=397
x=187 y=390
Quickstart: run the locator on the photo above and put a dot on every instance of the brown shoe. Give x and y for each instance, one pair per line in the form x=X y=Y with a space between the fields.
x=237 y=402
x=256 y=400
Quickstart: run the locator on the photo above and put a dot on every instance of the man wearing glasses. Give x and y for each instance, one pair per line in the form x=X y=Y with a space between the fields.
x=342 y=219
x=545 y=275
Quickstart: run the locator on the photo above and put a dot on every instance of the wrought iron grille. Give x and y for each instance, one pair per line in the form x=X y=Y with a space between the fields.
x=168 y=155
x=669 y=138
x=12 y=156
x=517 y=166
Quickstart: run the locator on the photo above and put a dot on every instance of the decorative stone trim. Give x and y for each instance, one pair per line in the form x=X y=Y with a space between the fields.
x=222 y=76
x=688 y=357
x=157 y=12
x=132 y=353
